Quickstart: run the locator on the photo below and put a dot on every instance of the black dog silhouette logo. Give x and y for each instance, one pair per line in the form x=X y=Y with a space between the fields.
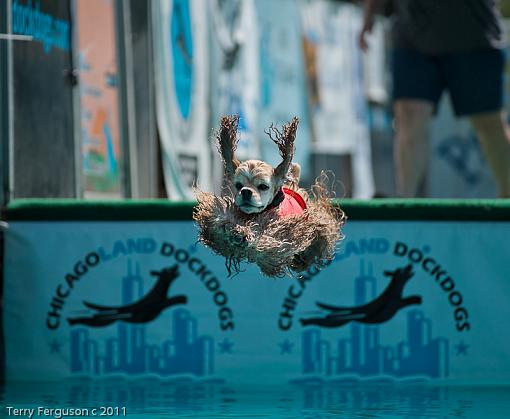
x=379 y=310
x=146 y=309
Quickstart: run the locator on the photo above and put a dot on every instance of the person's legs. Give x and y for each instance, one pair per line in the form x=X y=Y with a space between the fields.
x=412 y=120
x=417 y=86
x=494 y=134
x=476 y=84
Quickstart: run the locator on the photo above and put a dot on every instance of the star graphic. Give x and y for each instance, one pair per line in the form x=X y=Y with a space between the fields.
x=54 y=346
x=285 y=347
x=461 y=348
x=226 y=346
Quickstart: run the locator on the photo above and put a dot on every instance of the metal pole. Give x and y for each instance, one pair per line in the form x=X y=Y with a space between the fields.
x=78 y=145
x=126 y=98
x=4 y=110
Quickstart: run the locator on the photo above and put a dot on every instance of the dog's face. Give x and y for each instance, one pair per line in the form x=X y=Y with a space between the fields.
x=256 y=184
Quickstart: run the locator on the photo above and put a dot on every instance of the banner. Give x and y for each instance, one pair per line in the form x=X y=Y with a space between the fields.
x=337 y=101
x=402 y=301
x=375 y=64
x=282 y=78
x=41 y=100
x=181 y=65
x=99 y=98
x=457 y=165
x=235 y=69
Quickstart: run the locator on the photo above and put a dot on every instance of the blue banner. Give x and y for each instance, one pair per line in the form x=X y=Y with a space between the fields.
x=402 y=301
x=282 y=78
x=234 y=69
x=337 y=103
x=182 y=92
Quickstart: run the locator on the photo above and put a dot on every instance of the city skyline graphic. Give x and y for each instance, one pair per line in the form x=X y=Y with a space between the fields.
x=129 y=352
x=363 y=354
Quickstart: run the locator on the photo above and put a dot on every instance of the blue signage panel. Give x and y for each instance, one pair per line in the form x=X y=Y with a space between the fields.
x=182 y=54
x=402 y=301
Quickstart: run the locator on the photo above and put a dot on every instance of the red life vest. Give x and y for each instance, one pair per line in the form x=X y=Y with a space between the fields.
x=292 y=204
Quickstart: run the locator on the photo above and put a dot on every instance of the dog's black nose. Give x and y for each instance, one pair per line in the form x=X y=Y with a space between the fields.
x=246 y=193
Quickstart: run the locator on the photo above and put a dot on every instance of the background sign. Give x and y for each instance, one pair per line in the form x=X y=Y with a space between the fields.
x=235 y=69
x=282 y=78
x=400 y=302
x=457 y=167
x=181 y=64
x=99 y=97
x=337 y=102
x=42 y=94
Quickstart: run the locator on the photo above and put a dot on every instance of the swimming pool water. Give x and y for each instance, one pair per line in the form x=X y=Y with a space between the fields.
x=147 y=399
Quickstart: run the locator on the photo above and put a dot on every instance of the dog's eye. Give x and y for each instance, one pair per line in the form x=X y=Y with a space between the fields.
x=238 y=185
x=263 y=187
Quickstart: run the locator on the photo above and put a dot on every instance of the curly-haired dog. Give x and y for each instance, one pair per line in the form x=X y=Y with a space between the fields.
x=265 y=217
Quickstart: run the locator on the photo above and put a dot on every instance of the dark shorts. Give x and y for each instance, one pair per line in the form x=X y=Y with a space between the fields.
x=474 y=79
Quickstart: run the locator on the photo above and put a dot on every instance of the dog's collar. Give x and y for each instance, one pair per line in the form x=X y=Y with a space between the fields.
x=277 y=200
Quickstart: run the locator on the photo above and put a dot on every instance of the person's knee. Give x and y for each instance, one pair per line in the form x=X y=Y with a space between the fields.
x=412 y=114
x=489 y=123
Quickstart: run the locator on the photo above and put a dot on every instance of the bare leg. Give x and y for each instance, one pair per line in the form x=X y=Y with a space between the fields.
x=412 y=118
x=494 y=135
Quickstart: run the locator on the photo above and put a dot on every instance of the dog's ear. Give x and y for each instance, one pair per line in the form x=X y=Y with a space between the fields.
x=227 y=140
x=284 y=139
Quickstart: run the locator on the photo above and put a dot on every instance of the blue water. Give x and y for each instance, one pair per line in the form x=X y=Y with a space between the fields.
x=147 y=399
